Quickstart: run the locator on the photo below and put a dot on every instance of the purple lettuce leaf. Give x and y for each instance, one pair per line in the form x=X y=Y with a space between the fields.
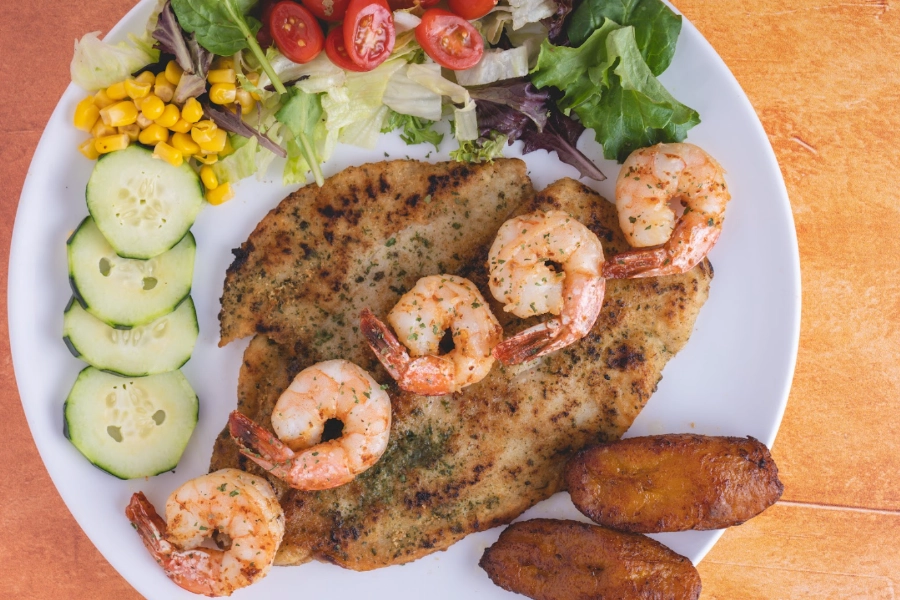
x=517 y=94
x=171 y=38
x=556 y=23
x=232 y=122
x=561 y=135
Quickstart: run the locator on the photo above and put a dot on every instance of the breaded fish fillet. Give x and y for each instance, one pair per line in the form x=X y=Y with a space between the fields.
x=479 y=458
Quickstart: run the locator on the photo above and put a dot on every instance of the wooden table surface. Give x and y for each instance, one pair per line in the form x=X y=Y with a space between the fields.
x=824 y=77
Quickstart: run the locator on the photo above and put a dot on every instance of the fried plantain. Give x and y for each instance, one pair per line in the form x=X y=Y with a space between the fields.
x=673 y=482
x=546 y=559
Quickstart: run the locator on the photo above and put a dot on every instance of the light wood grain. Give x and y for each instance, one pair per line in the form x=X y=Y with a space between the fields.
x=824 y=76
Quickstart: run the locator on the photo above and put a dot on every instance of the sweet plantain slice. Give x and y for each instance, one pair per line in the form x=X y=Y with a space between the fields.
x=546 y=559
x=673 y=482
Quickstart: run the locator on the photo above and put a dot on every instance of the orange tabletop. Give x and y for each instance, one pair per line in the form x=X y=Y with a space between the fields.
x=824 y=77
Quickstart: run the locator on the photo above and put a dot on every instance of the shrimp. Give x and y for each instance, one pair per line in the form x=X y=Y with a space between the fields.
x=421 y=317
x=334 y=389
x=239 y=509
x=522 y=279
x=649 y=180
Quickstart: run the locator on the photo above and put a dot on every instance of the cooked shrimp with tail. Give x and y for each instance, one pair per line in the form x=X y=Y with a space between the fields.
x=421 y=318
x=334 y=389
x=238 y=509
x=649 y=181
x=523 y=279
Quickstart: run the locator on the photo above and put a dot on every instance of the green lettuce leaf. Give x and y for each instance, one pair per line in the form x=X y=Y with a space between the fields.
x=480 y=150
x=301 y=114
x=413 y=130
x=240 y=164
x=656 y=26
x=98 y=64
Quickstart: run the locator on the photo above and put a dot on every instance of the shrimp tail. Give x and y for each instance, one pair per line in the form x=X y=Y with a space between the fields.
x=149 y=525
x=691 y=241
x=429 y=376
x=258 y=444
x=384 y=344
x=635 y=263
x=531 y=343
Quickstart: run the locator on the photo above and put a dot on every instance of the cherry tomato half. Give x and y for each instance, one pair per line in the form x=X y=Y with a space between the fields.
x=327 y=10
x=369 y=34
x=337 y=52
x=400 y=4
x=297 y=33
x=471 y=9
x=449 y=39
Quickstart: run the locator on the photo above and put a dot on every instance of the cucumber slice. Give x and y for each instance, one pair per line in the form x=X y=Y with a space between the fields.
x=143 y=205
x=159 y=346
x=125 y=292
x=131 y=426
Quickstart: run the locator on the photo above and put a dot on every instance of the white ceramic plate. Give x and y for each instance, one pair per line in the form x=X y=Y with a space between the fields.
x=732 y=378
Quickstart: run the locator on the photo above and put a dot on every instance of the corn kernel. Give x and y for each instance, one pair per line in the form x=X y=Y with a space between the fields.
x=253 y=78
x=208 y=177
x=173 y=72
x=246 y=101
x=223 y=62
x=101 y=129
x=86 y=114
x=143 y=122
x=207 y=159
x=132 y=131
x=192 y=111
x=117 y=91
x=146 y=77
x=204 y=131
x=182 y=141
x=136 y=90
x=168 y=154
x=163 y=88
x=102 y=100
x=221 y=76
x=181 y=126
x=221 y=194
x=217 y=144
x=119 y=115
x=153 y=134
x=89 y=149
x=111 y=143
x=152 y=107
x=222 y=93
x=228 y=149
x=169 y=116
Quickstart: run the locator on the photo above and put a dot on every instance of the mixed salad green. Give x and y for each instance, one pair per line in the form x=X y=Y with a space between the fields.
x=548 y=71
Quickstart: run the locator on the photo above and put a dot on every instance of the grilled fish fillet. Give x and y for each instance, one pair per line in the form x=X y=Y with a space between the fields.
x=476 y=459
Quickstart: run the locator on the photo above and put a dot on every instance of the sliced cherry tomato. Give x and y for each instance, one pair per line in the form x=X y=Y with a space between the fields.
x=471 y=9
x=401 y=4
x=297 y=33
x=337 y=52
x=327 y=10
x=369 y=34
x=449 y=39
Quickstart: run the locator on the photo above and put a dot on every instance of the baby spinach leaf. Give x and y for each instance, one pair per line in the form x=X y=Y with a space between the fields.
x=656 y=26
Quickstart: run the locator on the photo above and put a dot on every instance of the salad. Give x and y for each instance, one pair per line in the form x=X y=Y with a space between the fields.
x=229 y=85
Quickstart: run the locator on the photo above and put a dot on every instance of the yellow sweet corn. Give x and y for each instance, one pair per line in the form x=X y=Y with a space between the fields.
x=169 y=116
x=152 y=107
x=169 y=154
x=86 y=114
x=208 y=177
x=163 y=88
x=132 y=131
x=101 y=129
x=192 y=111
x=253 y=77
x=146 y=77
x=184 y=143
x=223 y=62
x=221 y=76
x=221 y=194
x=117 y=91
x=143 y=122
x=89 y=149
x=153 y=134
x=173 y=72
x=181 y=126
x=111 y=143
x=204 y=131
x=228 y=149
x=102 y=100
x=136 y=89
x=217 y=144
x=246 y=101
x=119 y=115
x=207 y=159
x=222 y=93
